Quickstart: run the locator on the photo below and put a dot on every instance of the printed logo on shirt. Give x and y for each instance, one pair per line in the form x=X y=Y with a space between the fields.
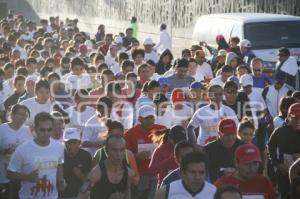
x=43 y=186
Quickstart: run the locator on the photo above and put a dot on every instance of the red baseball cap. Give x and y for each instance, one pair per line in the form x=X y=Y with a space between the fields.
x=247 y=153
x=227 y=127
x=294 y=110
x=178 y=95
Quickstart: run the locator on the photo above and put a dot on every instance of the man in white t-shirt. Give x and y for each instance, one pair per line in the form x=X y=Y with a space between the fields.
x=165 y=41
x=12 y=134
x=256 y=100
x=81 y=112
x=193 y=169
x=178 y=113
x=77 y=78
x=203 y=69
x=150 y=54
x=40 y=103
x=208 y=117
x=226 y=72
x=37 y=164
x=111 y=57
x=95 y=127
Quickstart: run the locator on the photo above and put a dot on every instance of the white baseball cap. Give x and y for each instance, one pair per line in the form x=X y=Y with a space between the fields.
x=71 y=134
x=119 y=40
x=246 y=80
x=146 y=111
x=33 y=78
x=246 y=43
x=148 y=41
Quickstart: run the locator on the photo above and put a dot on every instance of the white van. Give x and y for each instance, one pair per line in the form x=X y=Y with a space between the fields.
x=267 y=32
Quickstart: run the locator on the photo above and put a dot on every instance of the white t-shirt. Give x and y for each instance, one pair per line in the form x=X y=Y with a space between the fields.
x=92 y=132
x=217 y=81
x=112 y=63
x=76 y=82
x=23 y=53
x=175 y=117
x=36 y=108
x=155 y=76
x=178 y=191
x=10 y=85
x=143 y=100
x=31 y=156
x=79 y=119
x=10 y=139
x=165 y=42
x=204 y=70
x=207 y=120
x=278 y=122
x=273 y=98
x=290 y=66
x=152 y=56
x=4 y=94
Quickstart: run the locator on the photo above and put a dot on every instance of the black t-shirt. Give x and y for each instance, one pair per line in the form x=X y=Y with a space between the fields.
x=83 y=160
x=240 y=107
x=104 y=188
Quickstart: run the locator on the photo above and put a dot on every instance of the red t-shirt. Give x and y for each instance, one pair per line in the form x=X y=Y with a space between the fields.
x=162 y=161
x=137 y=135
x=259 y=185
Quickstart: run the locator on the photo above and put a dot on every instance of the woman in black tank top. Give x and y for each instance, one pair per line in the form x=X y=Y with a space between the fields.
x=103 y=189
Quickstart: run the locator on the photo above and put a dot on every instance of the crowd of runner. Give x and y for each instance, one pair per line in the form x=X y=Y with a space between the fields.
x=107 y=116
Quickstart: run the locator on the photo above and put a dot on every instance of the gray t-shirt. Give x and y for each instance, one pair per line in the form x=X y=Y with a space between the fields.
x=176 y=82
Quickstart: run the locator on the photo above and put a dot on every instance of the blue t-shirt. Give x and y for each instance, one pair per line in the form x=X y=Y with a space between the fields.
x=262 y=81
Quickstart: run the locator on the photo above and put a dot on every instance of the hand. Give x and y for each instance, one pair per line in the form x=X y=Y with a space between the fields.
x=117 y=195
x=33 y=176
x=85 y=195
x=143 y=155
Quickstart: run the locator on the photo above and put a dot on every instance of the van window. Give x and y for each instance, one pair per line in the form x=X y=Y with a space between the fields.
x=273 y=34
